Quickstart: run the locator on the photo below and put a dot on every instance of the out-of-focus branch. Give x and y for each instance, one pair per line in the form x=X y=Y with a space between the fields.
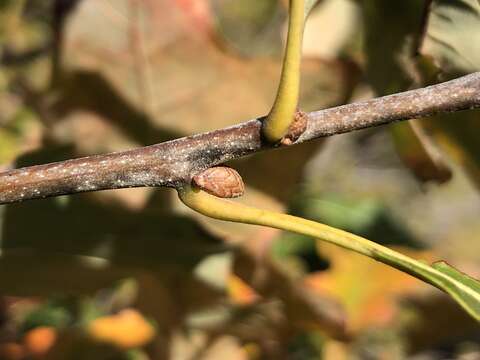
x=173 y=163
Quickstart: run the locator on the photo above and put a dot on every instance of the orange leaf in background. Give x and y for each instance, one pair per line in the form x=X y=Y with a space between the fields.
x=369 y=290
x=127 y=329
x=239 y=292
x=40 y=340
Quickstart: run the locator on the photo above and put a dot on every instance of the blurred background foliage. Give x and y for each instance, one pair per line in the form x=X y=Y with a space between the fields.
x=132 y=274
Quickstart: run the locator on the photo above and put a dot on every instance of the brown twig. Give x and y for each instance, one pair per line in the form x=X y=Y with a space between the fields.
x=173 y=163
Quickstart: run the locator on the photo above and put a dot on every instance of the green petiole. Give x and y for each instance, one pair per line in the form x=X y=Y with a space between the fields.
x=281 y=115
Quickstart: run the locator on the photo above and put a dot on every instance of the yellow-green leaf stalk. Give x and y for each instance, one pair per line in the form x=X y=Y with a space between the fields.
x=282 y=113
x=458 y=288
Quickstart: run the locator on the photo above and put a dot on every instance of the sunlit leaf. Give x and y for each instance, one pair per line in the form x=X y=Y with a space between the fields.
x=452 y=35
x=309 y=5
x=127 y=329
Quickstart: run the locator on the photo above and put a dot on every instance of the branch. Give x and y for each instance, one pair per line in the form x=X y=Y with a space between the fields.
x=173 y=163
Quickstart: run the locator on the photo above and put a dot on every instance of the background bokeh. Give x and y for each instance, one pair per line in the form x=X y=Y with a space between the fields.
x=133 y=274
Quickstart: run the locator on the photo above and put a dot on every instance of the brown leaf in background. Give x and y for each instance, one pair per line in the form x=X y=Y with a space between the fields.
x=420 y=153
x=303 y=308
x=436 y=320
x=12 y=351
x=458 y=134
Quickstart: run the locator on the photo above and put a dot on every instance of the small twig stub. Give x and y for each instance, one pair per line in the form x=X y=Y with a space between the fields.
x=296 y=129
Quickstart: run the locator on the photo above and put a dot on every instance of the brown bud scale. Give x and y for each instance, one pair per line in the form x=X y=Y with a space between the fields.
x=220 y=181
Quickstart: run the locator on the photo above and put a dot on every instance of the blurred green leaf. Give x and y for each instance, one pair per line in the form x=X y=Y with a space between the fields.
x=368 y=216
x=354 y=214
x=136 y=354
x=16 y=136
x=53 y=313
